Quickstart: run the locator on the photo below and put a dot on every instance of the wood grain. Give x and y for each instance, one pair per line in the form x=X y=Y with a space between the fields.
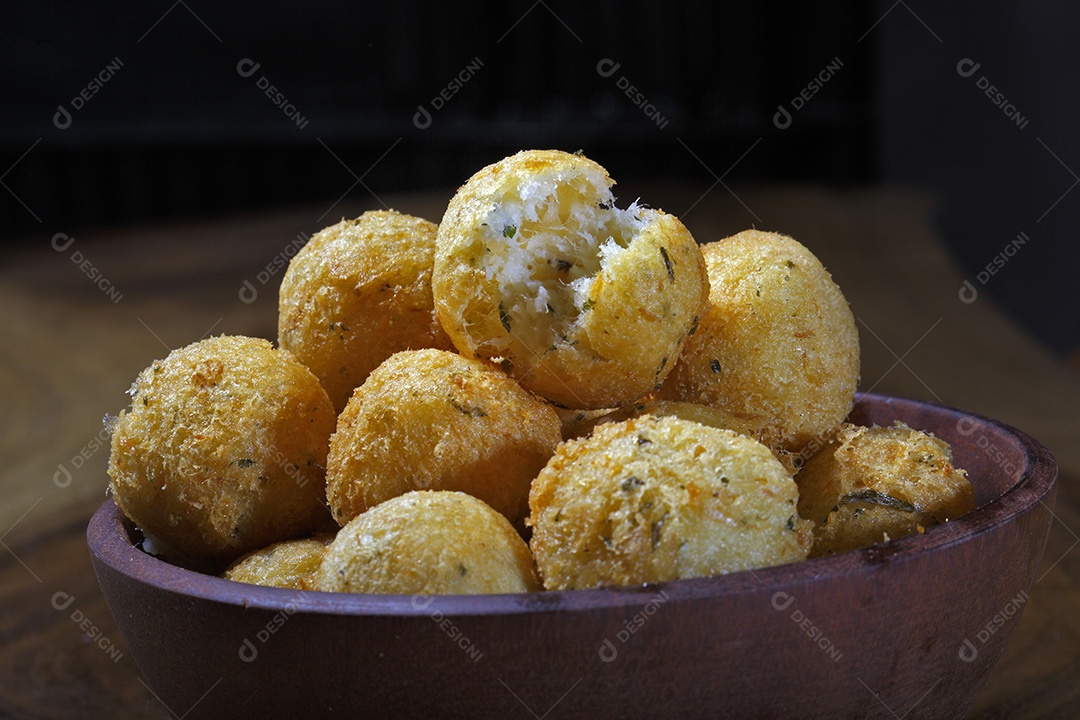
x=71 y=353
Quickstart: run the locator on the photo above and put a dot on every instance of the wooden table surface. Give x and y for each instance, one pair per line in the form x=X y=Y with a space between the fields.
x=81 y=319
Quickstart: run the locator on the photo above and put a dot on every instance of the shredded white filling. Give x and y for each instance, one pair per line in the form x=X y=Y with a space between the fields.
x=546 y=241
x=152 y=545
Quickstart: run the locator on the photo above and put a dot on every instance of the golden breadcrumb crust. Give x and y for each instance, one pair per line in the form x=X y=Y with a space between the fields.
x=777 y=346
x=356 y=293
x=880 y=483
x=580 y=426
x=223 y=449
x=290 y=564
x=428 y=543
x=434 y=420
x=654 y=499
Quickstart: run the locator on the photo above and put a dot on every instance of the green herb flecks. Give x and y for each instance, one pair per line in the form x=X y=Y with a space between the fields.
x=873 y=497
x=656 y=530
x=509 y=231
x=667 y=264
x=470 y=410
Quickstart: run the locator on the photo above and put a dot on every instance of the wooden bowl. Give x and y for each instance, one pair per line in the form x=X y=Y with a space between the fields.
x=911 y=628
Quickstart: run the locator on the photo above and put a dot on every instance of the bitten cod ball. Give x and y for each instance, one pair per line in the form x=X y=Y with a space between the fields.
x=654 y=499
x=357 y=293
x=434 y=420
x=429 y=542
x=880 y=483
x=777 y=346
x=223 y=449
x=585 y=304
x=291 y=564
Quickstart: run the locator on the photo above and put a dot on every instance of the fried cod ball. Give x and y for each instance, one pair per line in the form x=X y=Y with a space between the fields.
x=711 y=416
x=586 y=304
x=223 y=449
x=875 y=484
x=291 y=564
x=434 y=420
x=777 y=346
x=653 y=499
x=356 y=293
x=432 y=543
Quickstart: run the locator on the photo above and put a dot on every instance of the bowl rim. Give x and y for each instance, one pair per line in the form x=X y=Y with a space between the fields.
x=110 y=544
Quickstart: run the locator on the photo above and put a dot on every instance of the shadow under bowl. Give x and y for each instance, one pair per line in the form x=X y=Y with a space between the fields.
x=876 y=632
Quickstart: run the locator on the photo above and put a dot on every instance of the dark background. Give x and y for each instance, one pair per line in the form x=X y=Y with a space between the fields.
x=178 y=132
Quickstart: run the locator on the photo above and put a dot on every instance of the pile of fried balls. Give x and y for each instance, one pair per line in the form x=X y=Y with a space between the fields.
x=542 y=392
